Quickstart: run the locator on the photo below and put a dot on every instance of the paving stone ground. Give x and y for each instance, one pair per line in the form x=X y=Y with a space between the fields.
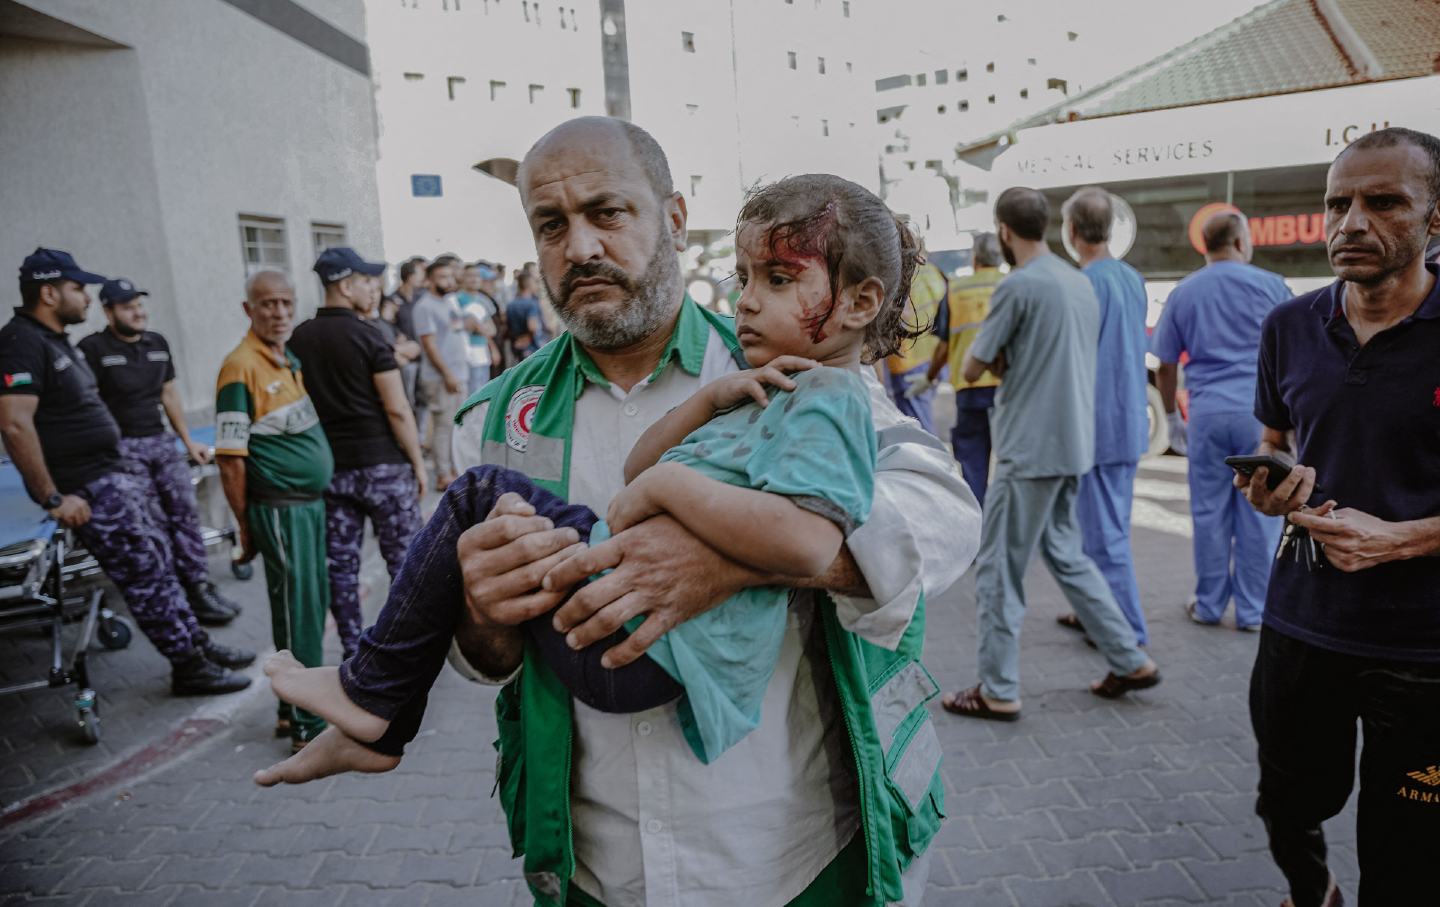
x=1082 y=802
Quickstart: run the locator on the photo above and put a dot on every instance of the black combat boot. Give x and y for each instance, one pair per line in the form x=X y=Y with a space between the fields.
x=226 y=656
x=198 y=676
x=211 y=608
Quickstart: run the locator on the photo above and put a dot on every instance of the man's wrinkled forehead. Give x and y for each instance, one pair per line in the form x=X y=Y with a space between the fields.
x=581 y=165
x=1393 y=168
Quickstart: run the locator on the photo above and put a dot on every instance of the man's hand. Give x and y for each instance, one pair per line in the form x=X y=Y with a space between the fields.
x=1179 y=433
x=659 y=570
x=452 y=384
x=421 y=477
x=1289 y=496
x=73 y=512
x=915 y=385
x=1354 y=540
x=198 y=453
x=503 y=560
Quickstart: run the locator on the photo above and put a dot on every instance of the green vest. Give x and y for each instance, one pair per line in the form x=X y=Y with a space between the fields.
x=882 y=694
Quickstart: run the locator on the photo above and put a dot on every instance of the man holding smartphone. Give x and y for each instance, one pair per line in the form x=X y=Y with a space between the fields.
x=1349 y=387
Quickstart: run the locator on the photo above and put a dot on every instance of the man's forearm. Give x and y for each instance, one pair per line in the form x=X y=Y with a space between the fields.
x=232 y=481
x=23 y=446
x=1167 y=381
x=937 y=361
x=493 y=650
x=1423 y=537
x=170 y=402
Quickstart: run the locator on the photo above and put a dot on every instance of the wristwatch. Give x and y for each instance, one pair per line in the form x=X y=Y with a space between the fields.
x=55 y=500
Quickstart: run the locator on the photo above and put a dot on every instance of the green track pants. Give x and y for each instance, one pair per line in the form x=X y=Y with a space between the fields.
x=291 y=540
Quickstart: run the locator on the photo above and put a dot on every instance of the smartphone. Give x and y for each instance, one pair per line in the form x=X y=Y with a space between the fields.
x=1246 y=466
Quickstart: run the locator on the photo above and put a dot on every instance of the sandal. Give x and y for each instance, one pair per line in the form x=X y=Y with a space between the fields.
x=970 y=704
x=1070 y=622
x=1113 y=687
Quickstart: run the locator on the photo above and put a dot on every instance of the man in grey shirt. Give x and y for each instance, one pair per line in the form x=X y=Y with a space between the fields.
x=443 y=369
x=1042 y=333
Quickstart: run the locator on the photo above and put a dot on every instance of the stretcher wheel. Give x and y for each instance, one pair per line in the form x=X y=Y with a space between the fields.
x=87 y=710
x=242 y=571
x=113 y=633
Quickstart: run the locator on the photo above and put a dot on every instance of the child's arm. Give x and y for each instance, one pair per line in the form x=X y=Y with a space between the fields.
x=701 y=407
x=764 y=531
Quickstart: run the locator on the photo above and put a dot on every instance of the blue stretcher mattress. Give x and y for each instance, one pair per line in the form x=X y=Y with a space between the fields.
x=22 y=521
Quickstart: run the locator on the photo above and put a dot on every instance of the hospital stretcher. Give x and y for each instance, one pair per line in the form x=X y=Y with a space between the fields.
x=42 y=587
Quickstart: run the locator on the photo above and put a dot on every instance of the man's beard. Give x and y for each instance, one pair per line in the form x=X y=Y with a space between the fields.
x=649 y=299
x=1007 y=252
x=1392 y=262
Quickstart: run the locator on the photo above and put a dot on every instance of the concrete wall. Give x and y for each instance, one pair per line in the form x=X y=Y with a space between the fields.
x=208 y=115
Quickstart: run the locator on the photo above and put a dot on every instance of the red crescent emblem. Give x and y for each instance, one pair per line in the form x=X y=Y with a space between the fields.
x=526 y=414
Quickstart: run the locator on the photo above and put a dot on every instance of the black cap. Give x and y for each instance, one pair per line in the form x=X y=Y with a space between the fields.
x=52 y=264
x=339 y=262
x=120 y=290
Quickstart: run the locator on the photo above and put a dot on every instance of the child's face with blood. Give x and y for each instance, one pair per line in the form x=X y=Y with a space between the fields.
x=785 y=305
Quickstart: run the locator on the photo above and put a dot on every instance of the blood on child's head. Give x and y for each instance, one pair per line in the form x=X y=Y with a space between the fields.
x=848 y=231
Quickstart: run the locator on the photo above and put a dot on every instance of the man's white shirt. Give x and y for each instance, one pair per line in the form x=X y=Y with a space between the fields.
x=759 y=824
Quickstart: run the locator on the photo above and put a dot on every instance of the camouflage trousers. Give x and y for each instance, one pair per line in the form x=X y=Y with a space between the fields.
x=125 y=539
x=159 y=462
x=387 y=494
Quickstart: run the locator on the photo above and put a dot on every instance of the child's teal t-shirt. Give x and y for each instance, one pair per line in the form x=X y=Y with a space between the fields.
x=814 y=445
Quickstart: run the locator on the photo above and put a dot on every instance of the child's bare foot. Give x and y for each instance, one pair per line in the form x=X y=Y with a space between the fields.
x=318 y=690
x=331 y=753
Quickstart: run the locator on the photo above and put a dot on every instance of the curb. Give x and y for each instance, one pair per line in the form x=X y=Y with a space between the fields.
x=208 y=722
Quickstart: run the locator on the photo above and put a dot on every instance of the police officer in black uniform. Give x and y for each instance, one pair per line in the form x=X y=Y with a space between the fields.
x=136 y=377
x=66 y=446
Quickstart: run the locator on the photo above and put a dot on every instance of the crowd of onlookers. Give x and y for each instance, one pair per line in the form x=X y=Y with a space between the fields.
x=454 y=325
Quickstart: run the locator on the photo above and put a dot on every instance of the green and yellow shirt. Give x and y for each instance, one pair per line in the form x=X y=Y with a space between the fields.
x=262 y=413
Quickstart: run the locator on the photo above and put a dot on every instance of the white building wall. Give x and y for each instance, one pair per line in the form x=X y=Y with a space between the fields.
x=206 y=114
x=423 y=130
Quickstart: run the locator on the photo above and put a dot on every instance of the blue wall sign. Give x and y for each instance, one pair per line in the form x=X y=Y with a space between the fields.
x=425 y=185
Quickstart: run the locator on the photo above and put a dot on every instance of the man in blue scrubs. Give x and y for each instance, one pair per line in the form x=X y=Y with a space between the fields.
x=1215 y=315
x=1121 y=428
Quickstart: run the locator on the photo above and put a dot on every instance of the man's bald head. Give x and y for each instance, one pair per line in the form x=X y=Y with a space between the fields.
x=605 y=136
x=266 y=283
x=1090 y=213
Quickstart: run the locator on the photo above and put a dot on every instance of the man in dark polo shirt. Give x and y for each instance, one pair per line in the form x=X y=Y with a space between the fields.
x=136 y=378
x=65 y=444
x=1349 y=386
x=351 y=375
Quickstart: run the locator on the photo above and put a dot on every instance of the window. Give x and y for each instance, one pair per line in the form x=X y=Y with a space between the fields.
x=535 y=92
x=961 y=75
x=920 y=79
x=962 y=106
x=694 y=185
x=990 y=67
x=990 y=100
x=821 y=65
x=1024 y=92
x=496 y=88
x=795 y=121
x=790 y=58
x=562 y=18
x=525 y=5
x=574 y=26
x=453 y=82
x=262 y=243
x=825 y=127
x=687 y=41
x=1030 y=60
x=574 y=98
x=942 y=76
x=849 y=67
x=326 y=236
x=414 y=76
x=845 y=9
x=1072 y=36
x=692 y=109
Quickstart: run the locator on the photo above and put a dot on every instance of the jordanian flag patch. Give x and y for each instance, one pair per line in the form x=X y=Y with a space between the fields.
x=19 y=379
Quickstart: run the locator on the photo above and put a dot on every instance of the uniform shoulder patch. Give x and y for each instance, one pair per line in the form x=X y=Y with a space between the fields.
x=520 y=416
